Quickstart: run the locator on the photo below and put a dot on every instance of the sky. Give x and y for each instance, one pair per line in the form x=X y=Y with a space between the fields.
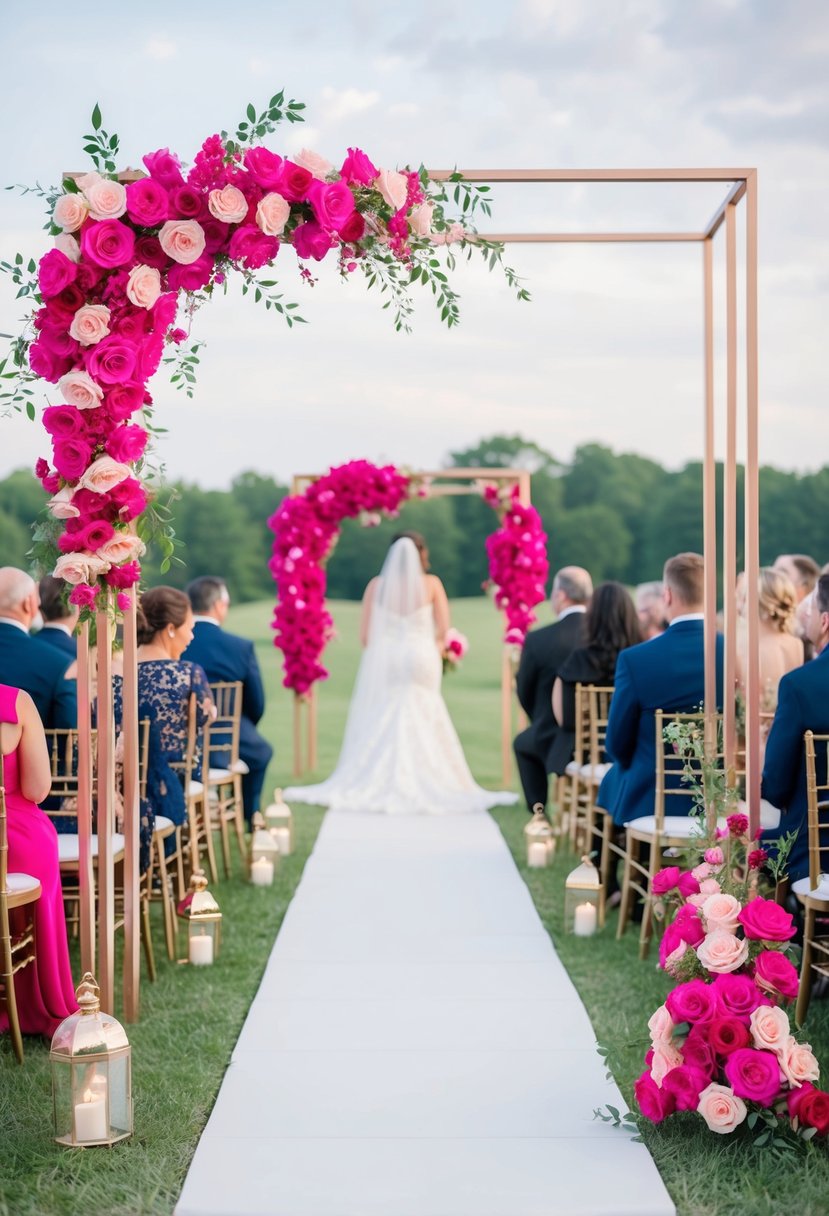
x=609 y=350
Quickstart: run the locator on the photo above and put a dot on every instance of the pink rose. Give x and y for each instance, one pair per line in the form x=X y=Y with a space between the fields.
x=62 y=421
x=123 y=547
x=107 y=199
x=709 y=886
x=70 y=248
x=721 y=1109
x=123 y=576
x=188 y=204
x=293 y=182
x=774 y=973
x=316 y=165
x=393 y=187
x=252 y=248
x=714 y=856
x=654 y=1103
x=129 y=497
x=79 y=567
x=113 y=361
x=265 y=168
x=83 y=596
x=352 y=230
x=147 y=203
x=123 y=399
x=686 y=927
x=764 y=920
x=272 y=214
x=104 y=474
x=55 y=271
x=61 y=505
x=722 y=951
x=688 y=885
x=182 y=240
x=148 y=250
x=754 y=1075
x=420 y=219
x=165 y=167
x=697 y=1052
x=108 y=243
x=665 y=880
x=87 y=538
x=693 y=1002
x=797 y=1062
x=661 y=1025
x=333 y=204
x=192 y=277
x=71 y=457
x=47 y=362
x=126 y=444
x=70 y=212
x=665 y=1057
x=727 y=1034
x=685 y=1083
x=123 y=601
x=311 y=241
x=722 y=912
x=143 y=286
x=358 y=168
x=769 y=1028
x=90 y=324
x=702 y=871
x=737 y=995
x=228 y=205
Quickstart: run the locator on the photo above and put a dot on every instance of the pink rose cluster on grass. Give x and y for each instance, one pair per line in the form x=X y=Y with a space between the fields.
x=518 y=565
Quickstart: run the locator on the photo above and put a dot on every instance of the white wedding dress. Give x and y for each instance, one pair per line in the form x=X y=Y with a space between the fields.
x=401 y=754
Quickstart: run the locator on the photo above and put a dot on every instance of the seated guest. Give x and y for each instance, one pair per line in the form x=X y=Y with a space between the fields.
x=26 y=662
x=802 y=704
x=651 y=610
x=226 y=657
x=45 y=992
x=803 y=572
x=780 y=650
x=666 y=673
x=59 y=617
x=165 y=684
x=537 y=751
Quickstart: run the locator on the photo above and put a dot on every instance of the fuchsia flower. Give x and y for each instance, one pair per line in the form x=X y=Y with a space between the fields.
x=665 y=880
x=358 y=168
x=83 y=596
x=763 y=919
x=773 y=973
x=737 y=824
x=55 y=271
x=754 y=1075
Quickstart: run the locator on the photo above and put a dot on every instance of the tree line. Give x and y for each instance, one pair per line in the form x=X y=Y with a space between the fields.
x=620 y=515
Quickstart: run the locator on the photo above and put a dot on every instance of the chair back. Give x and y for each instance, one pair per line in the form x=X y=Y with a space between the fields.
x=581 y=743
x=187 y=765
x=817 y=804
x=671 y=766
x=143 y=755
x=221 y=736
x=598 y=698
x=63 y=746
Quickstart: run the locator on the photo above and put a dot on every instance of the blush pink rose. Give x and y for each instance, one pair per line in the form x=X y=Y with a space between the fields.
x=68 y=246
x=769 y=1028
x=703 y=870
x=182 y=240
x=709 y=886
x=148 y=203
x=143 y=286
x=80 y=389
x=107 y=199
x=61 y=505
x=722 y=952
x=70 y=212
x=661 y=1025
x=316 y=165
x=665 y=1057
x=774 y=973
x=393 y=187
x=721 y=1109
x=90 y=324
x=797 y=1062
x=103 y=474
x=108 y=243
x=722 y=912
x=272 y=214
x=420 y=219
x=764 y=920
x=228 y=205
x=79 y=567
x=123 y=547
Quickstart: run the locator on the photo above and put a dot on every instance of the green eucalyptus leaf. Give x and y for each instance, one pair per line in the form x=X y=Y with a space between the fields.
x=96 y=117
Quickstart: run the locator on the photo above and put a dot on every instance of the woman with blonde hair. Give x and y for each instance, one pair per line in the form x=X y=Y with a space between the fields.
x=780 y=649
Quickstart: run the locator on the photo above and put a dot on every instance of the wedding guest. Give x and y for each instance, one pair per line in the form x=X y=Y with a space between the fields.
x=667 y=673
x=224 y=656
x=780 y=650
x=804 y=573
x=45 y=992
x=59 y=616
x=28 y=663
x=166 y=682
x=539 y=750
x=802 y=704
x=650 y=610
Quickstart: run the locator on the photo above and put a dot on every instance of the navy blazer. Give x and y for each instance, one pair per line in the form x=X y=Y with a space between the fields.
x=802 y=704
x=544 y=652
x=39 y=669
x=667 y=672
x=64 y=642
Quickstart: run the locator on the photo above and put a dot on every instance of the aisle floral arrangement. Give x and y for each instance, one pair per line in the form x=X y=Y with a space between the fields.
x=130 y=249
x=518 y=565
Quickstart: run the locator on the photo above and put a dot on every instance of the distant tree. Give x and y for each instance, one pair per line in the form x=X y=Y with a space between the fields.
x=594 y=537
x=15 y=541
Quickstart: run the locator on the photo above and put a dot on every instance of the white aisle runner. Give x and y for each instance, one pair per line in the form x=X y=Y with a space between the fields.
x=416 y=1048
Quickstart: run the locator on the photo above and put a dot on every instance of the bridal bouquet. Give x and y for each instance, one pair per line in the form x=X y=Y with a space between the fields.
x=455 y=646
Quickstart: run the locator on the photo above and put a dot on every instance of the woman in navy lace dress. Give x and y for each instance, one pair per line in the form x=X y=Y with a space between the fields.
x=165 y=685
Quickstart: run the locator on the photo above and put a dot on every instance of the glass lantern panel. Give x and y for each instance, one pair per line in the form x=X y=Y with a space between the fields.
x=119 y=1096
x=62 y=1096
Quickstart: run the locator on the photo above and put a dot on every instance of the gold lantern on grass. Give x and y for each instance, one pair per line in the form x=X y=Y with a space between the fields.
x=204 y=922
x=263 y=855
x=541 y=842
x=91 y=1074
x=581 y=902
x=280 y=823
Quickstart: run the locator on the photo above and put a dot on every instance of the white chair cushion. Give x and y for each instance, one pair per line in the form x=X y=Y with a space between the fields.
x=220 y=774
x=803 y=886
x=196 y=787
x=595 y=772
x=769 y=815
x=69 y=846
x=17 y=883
x=673 y=825
x=163 y=825
x=573 y=768
x=240 y=767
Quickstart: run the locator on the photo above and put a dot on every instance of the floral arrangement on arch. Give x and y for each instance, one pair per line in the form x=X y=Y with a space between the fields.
x=130 y=249
x=518 y=565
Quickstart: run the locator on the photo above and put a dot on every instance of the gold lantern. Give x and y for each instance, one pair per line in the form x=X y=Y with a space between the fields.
x=541 y=843
x=204 y=920
x=263 y=855
x=280 y=823
x=582 y=897
x=91 y=1074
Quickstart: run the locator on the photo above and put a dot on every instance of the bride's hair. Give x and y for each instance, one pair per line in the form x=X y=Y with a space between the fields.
x=419 y=543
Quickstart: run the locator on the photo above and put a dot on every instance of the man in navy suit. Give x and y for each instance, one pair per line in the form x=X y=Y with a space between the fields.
x=224 y=656
x=59 y=618
x=543 y=748
x=667 y=672
x=802 y=704
x=28 y=663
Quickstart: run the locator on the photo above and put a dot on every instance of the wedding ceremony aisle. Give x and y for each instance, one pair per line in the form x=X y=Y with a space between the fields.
x=416 y=1048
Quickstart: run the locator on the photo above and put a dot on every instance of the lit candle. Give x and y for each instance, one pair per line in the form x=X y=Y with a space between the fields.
x=537 y=855
x=584 y=923
x=261 y=872
x=282 y=836
x=201 y=950
x=91 y=1116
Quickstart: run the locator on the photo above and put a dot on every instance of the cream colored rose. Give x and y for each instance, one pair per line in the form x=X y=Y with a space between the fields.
x=314 y=163
x=103 y=474
x=420 y=219
x=88 y=180
x=61 y=505
x=661 y=1025
x=697 y=900
x=709 y=886
x=272 y=214
x=797 y=1062
x=721 y=912
x=665 y=1058
x=123 y=547
x=182 y=240
x=143 y=286
x=228 y=205
x=78 y=388
x=703 y=870
x=90 y=324
x=393 y=187
x=79 y=567
x=70 y=212
x=68 y=246
x=722 y=952
x=770 y=1028
x=721 y=1109
x=107 y=200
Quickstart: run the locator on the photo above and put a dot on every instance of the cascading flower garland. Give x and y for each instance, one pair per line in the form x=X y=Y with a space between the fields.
x=518 y=565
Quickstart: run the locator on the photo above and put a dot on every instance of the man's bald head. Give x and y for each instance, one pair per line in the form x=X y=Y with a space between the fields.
x=18 y=595
x=571 y=585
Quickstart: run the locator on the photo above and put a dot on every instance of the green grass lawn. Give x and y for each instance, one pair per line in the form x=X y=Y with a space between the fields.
x=191 y=1017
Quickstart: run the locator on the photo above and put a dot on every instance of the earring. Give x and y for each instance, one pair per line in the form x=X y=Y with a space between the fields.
x=171 y=631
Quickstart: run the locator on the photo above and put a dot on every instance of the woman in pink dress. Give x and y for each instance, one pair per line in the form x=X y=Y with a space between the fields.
x=45 y=992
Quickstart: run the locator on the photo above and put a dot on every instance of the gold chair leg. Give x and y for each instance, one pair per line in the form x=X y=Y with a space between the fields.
x=10 y=999
x=204 y=815
x=147 y=938
x=239 y=817
x=624 y=910
x=804 y=990
x=167 y=901
x=646 y=931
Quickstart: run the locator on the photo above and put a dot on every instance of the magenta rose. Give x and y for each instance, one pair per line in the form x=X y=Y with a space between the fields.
x=165 y=167
x=737 y=995
x=83 y=596
x=358 y=168
x=63 y=421
x=264 y=167
x=665 y=880
x=311 y=241
x=148 y=204
x=129 y=498
x=123 y=576
x=353 y=229
x=187 y=203
x=688 y=885
x=132 y=325
x=87 y=539
x=252 y=248
x=126 y=444
x=728 y=1034
x=811 y=1107
x=192 y=277
x=757 y=858
x=698 y=1052
x=150 y=357
x=60 y=310
x=737 y=824
x=121 y=400
x=89 y=276
x=293 y=182
x=654 y=1103
x=692 y=1002
x=773 y=972
x=764 y=920
x=216 y=234
x=754 y=1075
x=72 y=456
x=92 y=505
x=47 y=363
x=148 y=250
x=332 y=204
x=109 y=243
x=685 y=927
x=112 y=361
x=685 y=1083
x=164 y=311
x=55 y=271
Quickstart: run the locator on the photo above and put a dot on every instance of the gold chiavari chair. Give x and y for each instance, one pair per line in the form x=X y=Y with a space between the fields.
x=164 y=880
x=198 y=835
x=18 y=893
x=570 y=789
x=225 y=769
x=599 y=823
x=813 y=891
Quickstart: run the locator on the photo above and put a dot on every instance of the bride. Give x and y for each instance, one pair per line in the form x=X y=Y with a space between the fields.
x=400 y=753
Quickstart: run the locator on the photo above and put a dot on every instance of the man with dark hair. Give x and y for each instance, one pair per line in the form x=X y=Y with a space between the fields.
x=667 y=672
x=25 y=661
x=802 y=704
x=59 y=617
x=226 y=657
x=539 y=750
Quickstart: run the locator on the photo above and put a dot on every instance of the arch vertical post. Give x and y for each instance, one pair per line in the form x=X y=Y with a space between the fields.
x=730 y=494
x=105 y=805
x=752 y=514
x=86 y=875
x=709 y=505
x=132 y=912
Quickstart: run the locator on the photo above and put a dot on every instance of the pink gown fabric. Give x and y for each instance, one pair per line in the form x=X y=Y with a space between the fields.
x=45 y=992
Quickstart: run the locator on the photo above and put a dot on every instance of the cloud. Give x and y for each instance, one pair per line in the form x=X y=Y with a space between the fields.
x=161 y=48
x=343 y=103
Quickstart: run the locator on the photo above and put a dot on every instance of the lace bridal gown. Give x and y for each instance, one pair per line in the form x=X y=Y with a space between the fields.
x=401 y=754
